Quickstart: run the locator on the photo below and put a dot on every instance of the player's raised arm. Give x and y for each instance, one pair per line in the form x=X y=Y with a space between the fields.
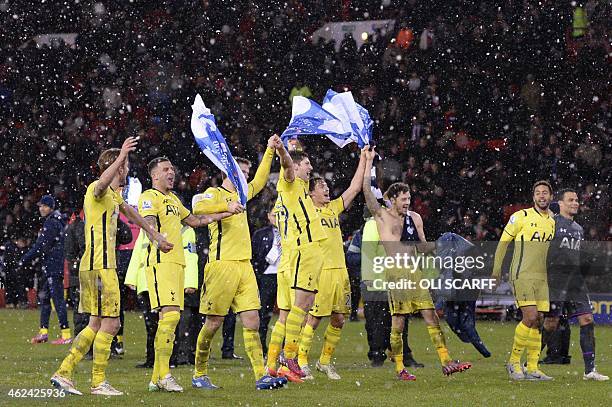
x=263 y=170
x=147 y=226
x=108 y=175
x=286 y=162
x=357 y=181
x=371 y=202
x=210 y=202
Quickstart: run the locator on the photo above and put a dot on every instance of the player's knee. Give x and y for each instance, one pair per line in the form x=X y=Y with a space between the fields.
x=94 y=323
x=337 y=320
x=213 y=322
x=250 y=319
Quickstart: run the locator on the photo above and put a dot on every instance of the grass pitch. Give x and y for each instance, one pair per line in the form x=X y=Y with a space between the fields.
x=25 y=366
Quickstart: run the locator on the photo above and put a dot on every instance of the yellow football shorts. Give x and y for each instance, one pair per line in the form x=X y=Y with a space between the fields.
x=229 y=283
x=166 y=283
x=408 y=300
x=285 y=296
x=334 y=293
x=99 y=294
x=531 y=292
x=306 y=262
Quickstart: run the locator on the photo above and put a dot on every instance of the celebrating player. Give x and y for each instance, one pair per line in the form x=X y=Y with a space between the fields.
x=165 y=271
x=99 y=293
x=390 y=223
x=228 y=277
x=531 y=230
x=334 y=296
x=566 y=283
x=303 y=234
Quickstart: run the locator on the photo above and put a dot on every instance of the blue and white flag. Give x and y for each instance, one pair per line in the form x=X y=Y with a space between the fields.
x=309 y=118
x=353 y=115
x=212 y=143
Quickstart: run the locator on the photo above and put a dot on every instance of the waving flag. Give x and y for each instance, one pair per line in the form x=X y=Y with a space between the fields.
x=211 y=142
x=131 y=192
x=353 y=115
x=308 y=118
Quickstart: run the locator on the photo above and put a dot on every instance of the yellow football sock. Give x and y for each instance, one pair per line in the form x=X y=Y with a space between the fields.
x=43 y=331
x=80 y=346
x=119 y=338
x=252 y=347
x=521 y=335
x=533 y=348
x=305 y=344
x=203 y=351
x=397 y=349
x=437 y=337
x=332 y=337
x=164 y=342
x=295 y=319
x=66 y=333
x=101 y=352
x=276 y=341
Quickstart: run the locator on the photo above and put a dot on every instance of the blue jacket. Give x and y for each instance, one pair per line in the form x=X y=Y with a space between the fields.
x=49 y=246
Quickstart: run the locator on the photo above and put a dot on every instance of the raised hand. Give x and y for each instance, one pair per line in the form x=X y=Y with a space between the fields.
x=370 y=154
x=129 y=145
x=275 y=142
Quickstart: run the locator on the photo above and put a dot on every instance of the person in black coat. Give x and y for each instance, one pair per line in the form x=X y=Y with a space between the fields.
x=266 y=255
x=49 y=248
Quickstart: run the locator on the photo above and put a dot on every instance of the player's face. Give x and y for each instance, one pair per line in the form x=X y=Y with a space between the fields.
x=164 y=174
x=246 y=169
x=320 y=193
x=303 y=169
x=569 y=204
x=401 y=203
x=542 y=197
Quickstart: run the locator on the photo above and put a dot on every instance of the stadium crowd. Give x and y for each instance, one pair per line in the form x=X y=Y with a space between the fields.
x=476 y=102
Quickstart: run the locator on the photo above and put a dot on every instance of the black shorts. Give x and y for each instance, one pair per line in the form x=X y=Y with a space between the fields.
x=570 y=308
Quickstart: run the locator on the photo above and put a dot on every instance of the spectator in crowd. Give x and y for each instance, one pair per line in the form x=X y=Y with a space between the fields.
x=49 y=249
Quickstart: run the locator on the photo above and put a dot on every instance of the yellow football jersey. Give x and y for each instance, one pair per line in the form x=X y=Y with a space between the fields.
x=302 y=220
x=333 y=248
x=169 y=213
x=100 y=229
x=531 y=232
x=230 y=238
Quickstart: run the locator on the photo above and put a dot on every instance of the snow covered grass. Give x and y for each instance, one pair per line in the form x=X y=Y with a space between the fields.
x=26 y=366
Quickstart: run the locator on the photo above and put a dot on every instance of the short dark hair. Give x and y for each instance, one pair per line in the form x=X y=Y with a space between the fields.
x=107 y=158
x=298 y=156
x=154 y=162
x=542 y=182
x=395 y=189
x=561 y=193
x=313 y=182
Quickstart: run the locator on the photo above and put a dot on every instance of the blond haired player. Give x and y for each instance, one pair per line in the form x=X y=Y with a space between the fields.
x=99 y=290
